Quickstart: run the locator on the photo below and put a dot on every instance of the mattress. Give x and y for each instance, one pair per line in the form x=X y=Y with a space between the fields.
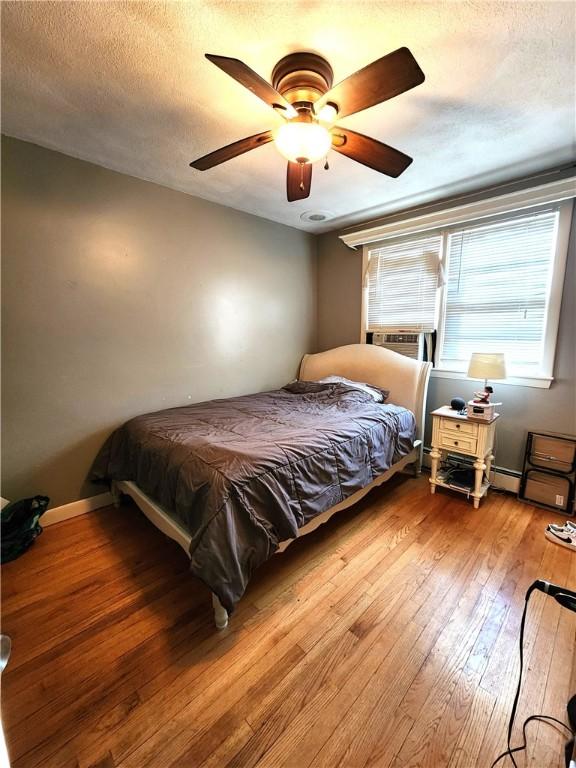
x=245 y=473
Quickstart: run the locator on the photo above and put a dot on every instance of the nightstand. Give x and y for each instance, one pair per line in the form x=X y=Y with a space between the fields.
x=453 y=433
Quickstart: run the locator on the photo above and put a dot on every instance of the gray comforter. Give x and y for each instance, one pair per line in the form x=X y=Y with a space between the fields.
x=243 y=474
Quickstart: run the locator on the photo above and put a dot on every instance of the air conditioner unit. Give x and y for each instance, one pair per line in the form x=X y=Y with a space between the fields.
x=408 y=344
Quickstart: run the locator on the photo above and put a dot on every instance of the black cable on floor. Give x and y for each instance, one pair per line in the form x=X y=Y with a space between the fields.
x=510 y=751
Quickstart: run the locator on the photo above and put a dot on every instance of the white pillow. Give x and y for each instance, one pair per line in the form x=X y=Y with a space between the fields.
x=376 y=394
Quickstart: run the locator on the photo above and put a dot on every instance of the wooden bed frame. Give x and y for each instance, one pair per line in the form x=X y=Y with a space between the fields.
x=407 y=381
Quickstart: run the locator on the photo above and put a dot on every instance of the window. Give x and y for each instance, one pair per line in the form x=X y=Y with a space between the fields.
x=402 y=282
x=493 y=285
x=496 y=296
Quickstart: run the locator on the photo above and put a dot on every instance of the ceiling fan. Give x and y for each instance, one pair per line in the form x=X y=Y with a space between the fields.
x=302 y=93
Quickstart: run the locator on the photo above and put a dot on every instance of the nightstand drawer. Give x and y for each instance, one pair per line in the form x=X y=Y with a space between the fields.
x=460 y=443
x=462 y=427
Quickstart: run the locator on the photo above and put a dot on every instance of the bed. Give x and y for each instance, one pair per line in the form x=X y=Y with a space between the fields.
x=234 y=481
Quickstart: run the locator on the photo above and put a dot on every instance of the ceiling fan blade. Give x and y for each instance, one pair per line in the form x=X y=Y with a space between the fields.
x=298 y=181
x=382 y=80
x=370 y=152
x=232 y=150
x=249 y=79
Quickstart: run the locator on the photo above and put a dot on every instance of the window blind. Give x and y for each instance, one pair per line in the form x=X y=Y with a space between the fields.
x=497 y=291
x=402 y=282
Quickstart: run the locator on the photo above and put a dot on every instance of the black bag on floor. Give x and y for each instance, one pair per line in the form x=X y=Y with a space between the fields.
x=20 y=526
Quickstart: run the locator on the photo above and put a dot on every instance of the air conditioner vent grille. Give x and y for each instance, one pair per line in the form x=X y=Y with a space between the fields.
x=401 y=338
x=407 y=344
x=409 y=350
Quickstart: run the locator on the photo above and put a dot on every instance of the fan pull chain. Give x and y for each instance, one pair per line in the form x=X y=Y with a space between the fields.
x=326 y=166
x=302 y=177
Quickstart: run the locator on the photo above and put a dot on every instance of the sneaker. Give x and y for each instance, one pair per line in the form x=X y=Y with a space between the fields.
x=568 y=527
x=564 y=538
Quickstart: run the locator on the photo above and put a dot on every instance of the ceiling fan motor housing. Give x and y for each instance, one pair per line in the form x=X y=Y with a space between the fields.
x=302 y=78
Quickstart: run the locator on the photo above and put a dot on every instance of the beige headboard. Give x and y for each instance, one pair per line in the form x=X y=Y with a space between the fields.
x=406 y=379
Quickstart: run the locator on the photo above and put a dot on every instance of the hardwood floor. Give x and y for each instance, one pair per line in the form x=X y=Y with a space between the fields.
x=386 y=638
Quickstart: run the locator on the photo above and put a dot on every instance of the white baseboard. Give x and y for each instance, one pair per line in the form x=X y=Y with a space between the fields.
x=501 y=478
x=75 y=508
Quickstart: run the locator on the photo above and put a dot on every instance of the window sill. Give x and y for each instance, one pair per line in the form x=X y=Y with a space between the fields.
x=540 y=382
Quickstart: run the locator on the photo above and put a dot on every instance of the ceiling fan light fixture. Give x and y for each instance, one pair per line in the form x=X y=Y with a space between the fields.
x=328 y=113
x=303 y=142
x=302 y=91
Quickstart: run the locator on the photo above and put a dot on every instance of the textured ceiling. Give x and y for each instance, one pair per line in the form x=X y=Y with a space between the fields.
x=126 y=85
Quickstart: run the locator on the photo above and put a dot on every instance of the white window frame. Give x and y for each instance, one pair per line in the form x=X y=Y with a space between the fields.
x=554 y=301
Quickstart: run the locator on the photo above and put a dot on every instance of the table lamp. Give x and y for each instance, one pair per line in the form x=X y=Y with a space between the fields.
x=486 y=365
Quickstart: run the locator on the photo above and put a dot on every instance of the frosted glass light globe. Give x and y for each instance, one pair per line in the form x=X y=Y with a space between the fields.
x=303 y=142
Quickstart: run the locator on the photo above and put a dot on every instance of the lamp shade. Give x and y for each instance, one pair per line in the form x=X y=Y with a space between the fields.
x=487 y=365
x=303 y=142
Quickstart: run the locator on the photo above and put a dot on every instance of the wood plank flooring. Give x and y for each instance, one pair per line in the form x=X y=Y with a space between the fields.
x=386 y=638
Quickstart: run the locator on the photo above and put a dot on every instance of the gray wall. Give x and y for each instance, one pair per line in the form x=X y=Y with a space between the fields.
x=122 y=297
x=339 y=292
x=524 y=408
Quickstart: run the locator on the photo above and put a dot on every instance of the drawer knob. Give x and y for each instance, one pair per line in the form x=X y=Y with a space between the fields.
x=457 y=426
x=455 y=442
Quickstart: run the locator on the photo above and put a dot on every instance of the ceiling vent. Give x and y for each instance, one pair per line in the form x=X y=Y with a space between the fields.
x=316 y=216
